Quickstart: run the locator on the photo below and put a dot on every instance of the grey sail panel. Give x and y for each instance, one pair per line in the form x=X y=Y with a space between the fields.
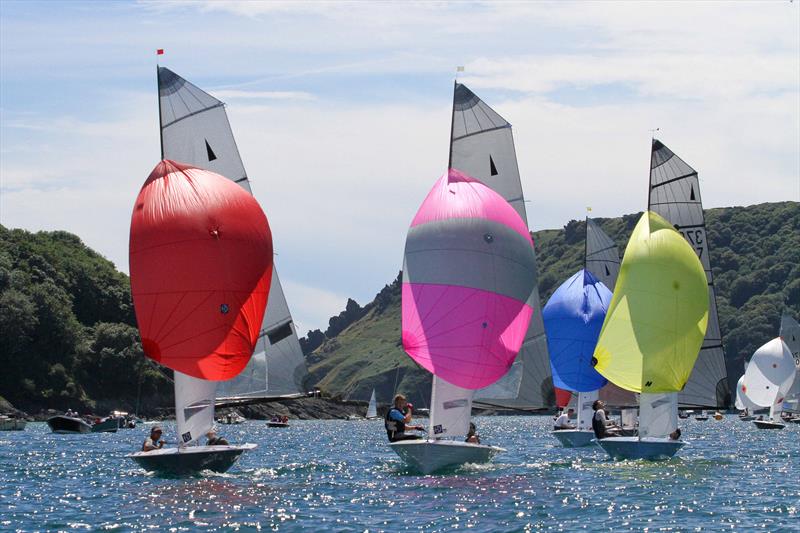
x=195 y=130
x=482 y=146
x=790 y=333
x=675 y=195
x=602 y=255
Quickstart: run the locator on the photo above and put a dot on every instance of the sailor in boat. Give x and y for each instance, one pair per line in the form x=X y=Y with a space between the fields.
x=153 y=442
x=600 y=423
x=214 y=440
x=562 y=422
x=675 y=435
x=398 y=419
x=472 y=435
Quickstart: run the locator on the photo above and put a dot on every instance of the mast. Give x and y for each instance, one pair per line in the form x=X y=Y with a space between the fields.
x=452 y=120
x=586 y=244
x=160 y=120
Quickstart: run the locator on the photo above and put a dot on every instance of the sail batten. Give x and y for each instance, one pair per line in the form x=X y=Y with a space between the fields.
x=195 y=127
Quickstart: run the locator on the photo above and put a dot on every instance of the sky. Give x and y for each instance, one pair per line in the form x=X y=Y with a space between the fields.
x=342 y=113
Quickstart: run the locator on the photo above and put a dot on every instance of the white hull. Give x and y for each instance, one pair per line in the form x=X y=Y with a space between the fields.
x=574 y=438
x=428 y=456
x=768 y=424
x=650 y=448
x=191 y=459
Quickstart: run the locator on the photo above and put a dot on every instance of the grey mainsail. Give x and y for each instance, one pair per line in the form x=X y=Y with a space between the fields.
x=602 y=255
x=675 y=195
x=195 y=130
x=602 y=260
x=482 y=146
x=790 y=333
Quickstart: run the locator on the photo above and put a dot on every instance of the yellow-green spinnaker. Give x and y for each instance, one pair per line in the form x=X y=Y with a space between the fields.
x=659 y=312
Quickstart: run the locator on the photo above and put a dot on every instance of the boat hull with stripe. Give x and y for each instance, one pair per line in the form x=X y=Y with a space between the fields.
x=191 y=459
x=648 y=448
x=428 y=456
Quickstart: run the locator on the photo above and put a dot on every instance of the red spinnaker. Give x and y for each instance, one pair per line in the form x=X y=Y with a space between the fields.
x=200 y=265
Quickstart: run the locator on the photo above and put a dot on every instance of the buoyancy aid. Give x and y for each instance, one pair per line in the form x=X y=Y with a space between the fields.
x=394 y=427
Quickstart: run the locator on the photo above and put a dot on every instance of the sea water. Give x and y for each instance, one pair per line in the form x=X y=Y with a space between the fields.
x=341 y=476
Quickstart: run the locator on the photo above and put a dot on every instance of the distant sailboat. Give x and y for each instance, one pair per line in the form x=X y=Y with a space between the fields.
x=195 y=130
x=200 y=267
x=573 y=317
x=652 y=333
x=675 y=195
x=467 y=301
x=482 y=147
x=372 y=408
x=767 y=380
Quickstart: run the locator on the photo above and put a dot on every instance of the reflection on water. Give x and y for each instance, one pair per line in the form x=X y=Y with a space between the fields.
x=341 y=476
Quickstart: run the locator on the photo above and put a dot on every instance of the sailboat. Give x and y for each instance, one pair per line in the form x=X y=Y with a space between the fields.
x=195 y=130
x=482 y=147
x=466 y=306
x=200 y=268
x=372 y=408
x=573 y=317
x=767 y=380
x=675 y=195
x=652 y=333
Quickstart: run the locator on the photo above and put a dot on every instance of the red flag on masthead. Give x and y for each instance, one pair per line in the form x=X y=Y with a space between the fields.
x=160 y=52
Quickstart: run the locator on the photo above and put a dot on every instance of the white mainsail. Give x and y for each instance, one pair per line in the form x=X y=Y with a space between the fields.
x=658 y=414
x=675 y=195
x=194 y=407
x=451 y=408
x=482 y=146
x=372 y=408
x=195 y=130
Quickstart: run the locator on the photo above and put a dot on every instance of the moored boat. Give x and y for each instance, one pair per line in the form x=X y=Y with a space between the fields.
x=12 y=423
x=68 y=424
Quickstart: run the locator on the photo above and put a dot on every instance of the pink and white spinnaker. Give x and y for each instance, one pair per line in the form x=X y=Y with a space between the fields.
x=468 y=283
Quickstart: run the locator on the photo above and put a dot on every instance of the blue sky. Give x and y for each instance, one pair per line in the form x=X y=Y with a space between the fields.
x=341 y=112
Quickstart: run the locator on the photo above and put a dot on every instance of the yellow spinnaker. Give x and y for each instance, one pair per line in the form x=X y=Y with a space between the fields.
x=659 y=312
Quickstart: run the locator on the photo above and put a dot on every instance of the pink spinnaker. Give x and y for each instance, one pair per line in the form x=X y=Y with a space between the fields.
x=464 y=312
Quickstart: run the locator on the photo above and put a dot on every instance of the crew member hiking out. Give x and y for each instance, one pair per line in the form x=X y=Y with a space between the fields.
x=398 y=419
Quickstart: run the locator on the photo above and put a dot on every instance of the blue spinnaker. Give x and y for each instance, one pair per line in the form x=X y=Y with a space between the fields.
x=573 y=318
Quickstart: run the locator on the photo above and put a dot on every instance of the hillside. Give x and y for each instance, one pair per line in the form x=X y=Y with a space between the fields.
x=68 y=329
x=755 y=255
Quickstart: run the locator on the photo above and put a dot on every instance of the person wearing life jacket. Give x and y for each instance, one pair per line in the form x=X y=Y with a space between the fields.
x=397 y=420
x=600 y=423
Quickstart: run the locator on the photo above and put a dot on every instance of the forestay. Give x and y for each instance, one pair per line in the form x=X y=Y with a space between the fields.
x=675 y=195
x=482 y=146
x=195 y=130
